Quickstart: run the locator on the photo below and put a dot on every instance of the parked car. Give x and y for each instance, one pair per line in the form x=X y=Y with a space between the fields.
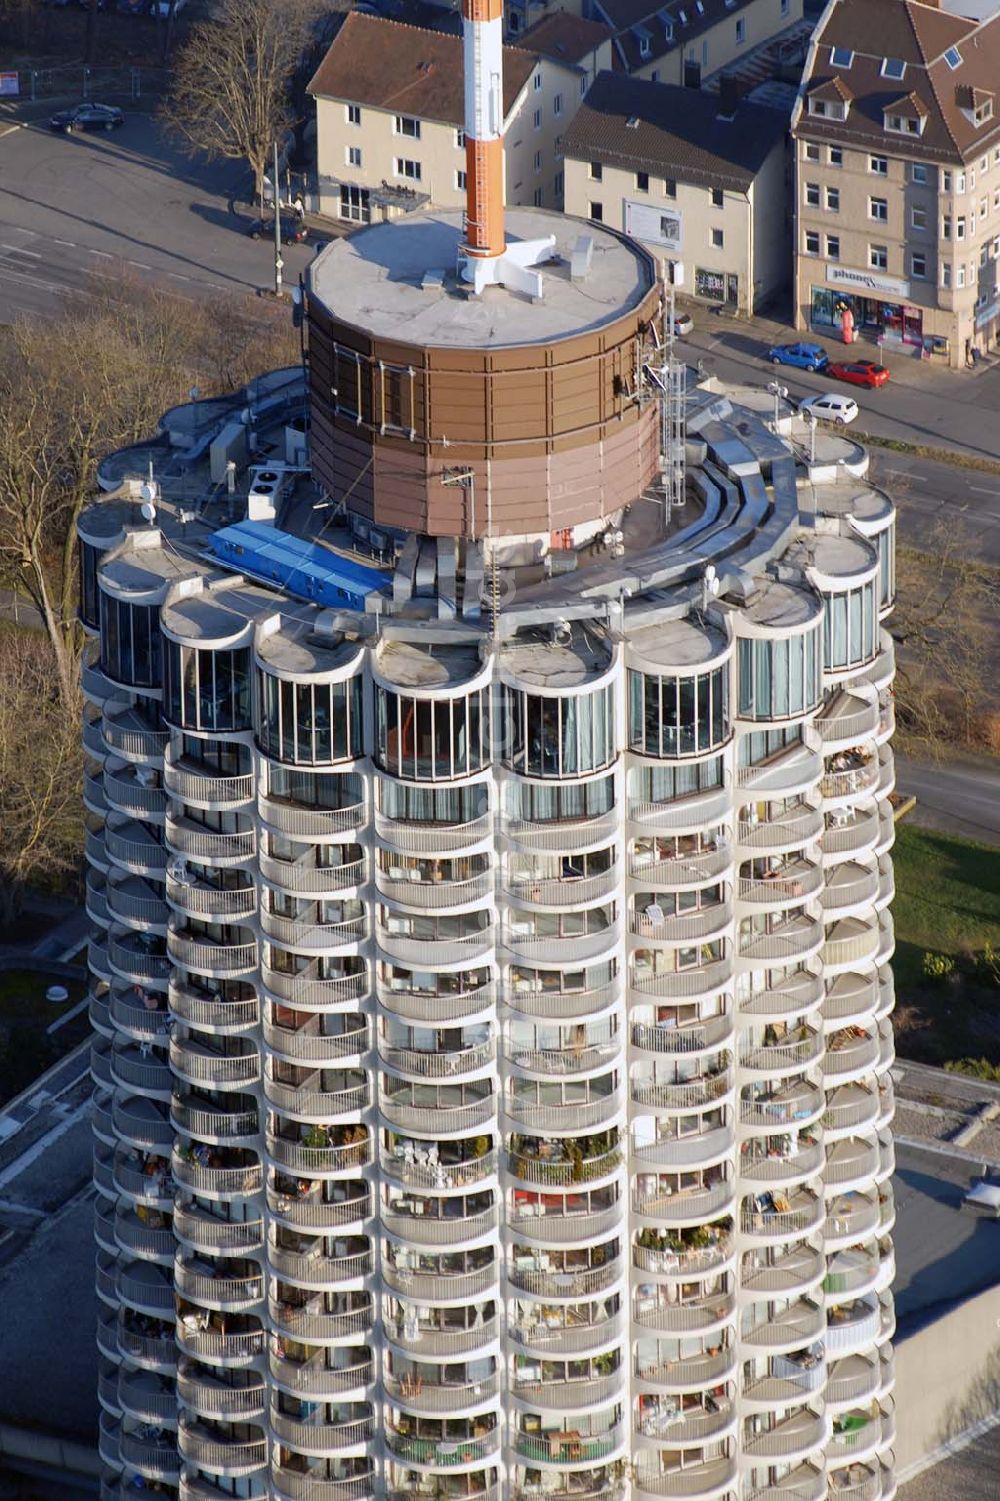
x=89 y=116
x=831 y=407
x=805 y=356
x=859 y=372
x=293 y=230
x=683 y=324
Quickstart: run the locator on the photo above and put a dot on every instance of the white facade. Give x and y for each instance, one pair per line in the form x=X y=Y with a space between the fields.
x=493 y=1088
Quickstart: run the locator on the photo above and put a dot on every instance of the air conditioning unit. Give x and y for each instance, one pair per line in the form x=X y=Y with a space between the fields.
x=264 y=494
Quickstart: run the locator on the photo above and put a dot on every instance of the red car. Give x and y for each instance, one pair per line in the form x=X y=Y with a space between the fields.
x=859 y=373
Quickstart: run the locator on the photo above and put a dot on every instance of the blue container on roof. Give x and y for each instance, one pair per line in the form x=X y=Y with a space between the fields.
x=302 y=569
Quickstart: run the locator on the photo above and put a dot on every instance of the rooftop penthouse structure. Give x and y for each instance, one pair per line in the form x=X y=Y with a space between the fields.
x=489 y=865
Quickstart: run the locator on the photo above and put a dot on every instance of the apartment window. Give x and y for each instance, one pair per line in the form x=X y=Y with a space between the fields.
x=833 y=200
x=785 y=6
x=644 y=47
x=538 y=119
x=597 y=212
x=878 y=209
x=812 y=194
x=996 y=199
x=538 y=161
x=918 y=264
x=918 y=218
x=459 y=140
x=407 y=168
x=841 y=57
x=984 y=254
x=669 y=187
x=654 y=77
x=406 y=125
x=894 y=68
x=810 y=151
x=557 y=185
x=584 y=81
x=945 y=273
x=960 y=276
x=946 y=182
x=984 y=164
x=717 y=198
x=878 y=257
x=596 y=172
x=642 y=182
x=960 y=227
x=741 y=31
x=812 y=242
x=718 y=239
x=903 y=125
x=918 y=172
x=833 y=247
x=354 y=156
x=353 y=113
x=879 y=165
x=972 y=179
x=461 y=181
x=996 y=248
x=537 y=82
x=557 y=105
x=946 y=227
x=984 y=207
x=537 y=197
x=960 y=183
x=835 y=156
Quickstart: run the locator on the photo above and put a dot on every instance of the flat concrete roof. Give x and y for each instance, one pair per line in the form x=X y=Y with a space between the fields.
x=372 y=280
x=533 y=657
x=780 y=606
x=433 y=666
x=678 y=643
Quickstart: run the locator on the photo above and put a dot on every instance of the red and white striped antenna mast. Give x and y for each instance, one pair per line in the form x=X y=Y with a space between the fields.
x=485 y=258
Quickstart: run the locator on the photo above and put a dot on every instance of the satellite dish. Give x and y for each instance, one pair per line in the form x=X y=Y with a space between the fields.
x=148 y=511
x=150 y=491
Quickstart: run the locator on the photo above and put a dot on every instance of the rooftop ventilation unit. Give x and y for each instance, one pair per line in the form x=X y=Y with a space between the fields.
x=264 y=494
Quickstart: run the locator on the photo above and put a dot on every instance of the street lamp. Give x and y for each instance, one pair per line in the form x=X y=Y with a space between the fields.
x=779 y=392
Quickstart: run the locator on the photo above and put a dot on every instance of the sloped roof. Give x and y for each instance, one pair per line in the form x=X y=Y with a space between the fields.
x=650 y=15
x=677 y=132
x=565 y=38
x=917 y=35
x=386 y=65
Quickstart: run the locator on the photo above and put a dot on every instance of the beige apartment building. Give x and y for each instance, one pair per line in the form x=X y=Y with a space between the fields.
x=390 y=111
x=897 y=167
x=685 y=41
x=694 y=180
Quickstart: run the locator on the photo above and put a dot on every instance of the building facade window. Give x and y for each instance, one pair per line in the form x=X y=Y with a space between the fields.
x=406 y=167
x=461 y=180
x=559 y=737
x=850 y=627
x=918 y=264
x=833 y=200
x=718 y=239
x=833 y=247
x=878 y=209
x=741 y=31
x=918 y=218
x=354 y=156
x=596 y=172
x=597 y=212
x=353 y=113
x=918 y=173
x=812 y=195
x=878 y=257
x=835 y=156
x=812 y=242
x=718 y=198
x=430 y=739
x=810 y=151
x=779 y=677
x=309 y=724
x=130 y=641
x=206 y=690
x=879 y=165
x=678 y=716
x=406 y=125
x=642 y=182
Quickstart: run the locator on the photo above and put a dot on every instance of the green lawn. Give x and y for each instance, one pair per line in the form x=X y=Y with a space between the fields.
x=947 y=902
x=22 y=998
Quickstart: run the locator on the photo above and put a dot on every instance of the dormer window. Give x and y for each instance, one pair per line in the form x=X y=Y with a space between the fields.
x=893 y=67
x=682 y=17
x=644 y=48
x=828 y=109
x=953 y=58
x=841 y=57
x=907 y=125
x=983 y=112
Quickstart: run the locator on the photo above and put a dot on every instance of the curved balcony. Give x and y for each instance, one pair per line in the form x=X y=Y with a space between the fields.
x=141 y=1123
x=791 y=828
x=563 y=1449
x=311 y=1436
x=792 y=1439
x=436 y=1287
x=851 y=999
x=304 y=877
x=562 y=1285
x=573 y=1395
x=213 y=1123
x=313 y=1213
x=690 y=1037
x=216 y=1182
x=96 y=900
x=227 y=1294
x=131 y=1069
x=794 y=881
x=438 y=1229
x=799 y=993
x=143 y=1286
x=319 y=1161
x=781 y=1171
x=700 y=925
x=314 y=1269
x=311 y=990
x=853 y=1328
x=429 y=1340
x=550 y=1341
x=214 y=903
x=849 y=1056
x=849 y=887
x=681 y=872
x=418 y=1393
x=687 y=1149
x=850 y=1107
x=211 y=1236
x=201 y=844
x=134 y=961
x=574 y=1116
x=566 y=1229
x=306 y=1487
x=555 y=893
x=565 y=1172
x=127 y=734
x=217 y=1347
x=853 y=834
x=859 y=779
x=308 y=1323
x=324 y=1106
x=211 y=1398
x=676 y=1260
x=432 y=1008
x=772 y=1225
x=774 y=1059
x=683 y=984
x=698 y=1094
x=202 y=1446
x=529 y=947
x=210 y=1013
x=696 y=1371
x=788 y=943
x=145 y=1397
x=315 y=937
x=151 y=1186
x=850 y=1220
x=311 y=823
x=196 y=1063
x=688 y=1206
x=846 y=721
x=433 y=838
x=440 y=1453
x=137 y=903
x=200 y=785
x=404 y=1109
x=563 y=836
x=428 y=1063
x=131 y=846
x=403 y=1166
x=790 y=1329
x=126 y=793
x=310 y=1044
x=466 y=952
x=564 y=1005
x=686 y=1316
x=151 y=1352
x=409 y=887
x=151 y=1459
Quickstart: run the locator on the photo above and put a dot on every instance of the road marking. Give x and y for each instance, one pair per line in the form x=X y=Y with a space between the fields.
x=104 y=254
x=70 y=243
x=143 y=266
x=18 y=250
x=178 y=276
x=982 y=490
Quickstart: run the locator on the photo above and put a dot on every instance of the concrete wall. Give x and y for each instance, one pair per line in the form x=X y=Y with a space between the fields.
x=947 y=1378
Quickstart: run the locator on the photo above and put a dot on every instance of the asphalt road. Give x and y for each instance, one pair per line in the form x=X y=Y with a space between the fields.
x=75 y=207
x=941 y=408
x=962 y=796
x=942 y=501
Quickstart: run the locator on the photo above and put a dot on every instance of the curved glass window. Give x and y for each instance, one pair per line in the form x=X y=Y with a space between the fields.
x=559 y=737
x=89 y=559
x=664 y=784
x=885 y=545
x=678 y=716
x=430 y=739
x=445 y=805
x=779 y=676
x=207 y=690
x=130 y=642
x=850 y=627
x=559 y=804
x=309 y=723
x=318 y=790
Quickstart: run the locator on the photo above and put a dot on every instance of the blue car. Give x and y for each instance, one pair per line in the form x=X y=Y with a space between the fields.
x=806 y=356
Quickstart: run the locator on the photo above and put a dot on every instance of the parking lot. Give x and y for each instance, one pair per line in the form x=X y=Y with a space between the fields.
x=75 y=206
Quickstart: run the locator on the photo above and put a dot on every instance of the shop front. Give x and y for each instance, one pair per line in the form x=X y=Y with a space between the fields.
x=877 y=304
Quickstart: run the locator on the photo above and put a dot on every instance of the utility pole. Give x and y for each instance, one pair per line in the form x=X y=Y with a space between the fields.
x=279 y=264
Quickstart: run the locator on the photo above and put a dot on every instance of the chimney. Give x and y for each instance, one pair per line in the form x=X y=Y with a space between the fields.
x=482 y=49
x=729 y=95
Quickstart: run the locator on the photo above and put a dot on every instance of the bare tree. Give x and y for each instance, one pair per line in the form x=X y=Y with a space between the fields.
x=231 y=94
x=40 y=761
